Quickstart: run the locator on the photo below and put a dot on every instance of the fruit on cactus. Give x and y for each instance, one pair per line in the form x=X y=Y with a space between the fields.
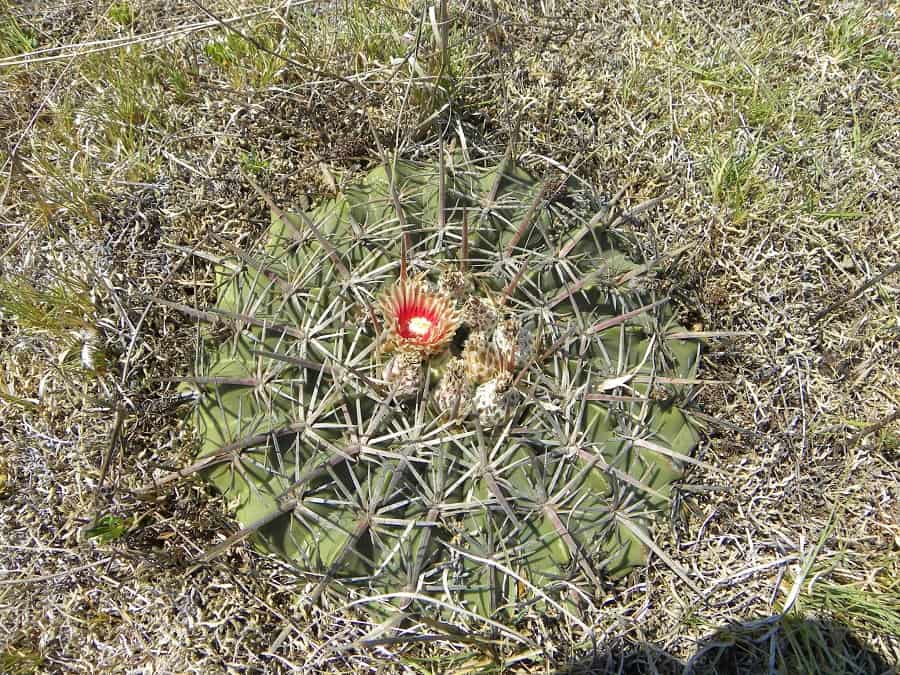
x=448 y=387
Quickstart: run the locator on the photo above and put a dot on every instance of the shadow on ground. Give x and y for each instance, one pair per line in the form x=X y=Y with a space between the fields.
x=776 y=645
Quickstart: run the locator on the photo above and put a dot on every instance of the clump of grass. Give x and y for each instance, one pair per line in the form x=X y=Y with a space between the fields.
x=870 y=605
x=231 y=52
x=14 y=39
x=65 y=314
x=65 y=304
x=788 y=644
x=20 y=662
x=121 y=14
x=734 y=180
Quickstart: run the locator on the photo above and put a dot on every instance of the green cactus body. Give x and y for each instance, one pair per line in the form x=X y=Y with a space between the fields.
x=553 y=488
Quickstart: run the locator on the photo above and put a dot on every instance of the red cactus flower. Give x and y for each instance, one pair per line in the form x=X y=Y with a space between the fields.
x=415 y=317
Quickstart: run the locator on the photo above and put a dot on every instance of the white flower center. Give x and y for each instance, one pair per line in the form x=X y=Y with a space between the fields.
x=419 y=325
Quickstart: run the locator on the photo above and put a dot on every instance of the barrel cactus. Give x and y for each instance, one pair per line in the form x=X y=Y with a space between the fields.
x=445 y=390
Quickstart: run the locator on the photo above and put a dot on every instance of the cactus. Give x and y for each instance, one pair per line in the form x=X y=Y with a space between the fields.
x=445 y=390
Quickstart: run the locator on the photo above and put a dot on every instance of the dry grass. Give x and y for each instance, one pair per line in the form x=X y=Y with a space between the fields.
x=771 y=133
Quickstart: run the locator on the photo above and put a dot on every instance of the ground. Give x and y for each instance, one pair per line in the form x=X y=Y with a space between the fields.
x=766 y=137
